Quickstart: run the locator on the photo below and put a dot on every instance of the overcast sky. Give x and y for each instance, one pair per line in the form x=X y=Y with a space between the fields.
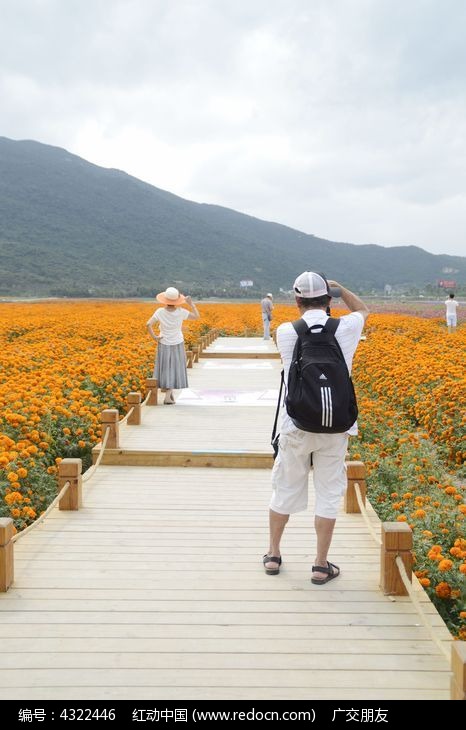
x=342 y=118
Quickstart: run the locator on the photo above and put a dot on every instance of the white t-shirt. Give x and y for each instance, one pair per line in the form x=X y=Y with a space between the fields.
x=170 y=321
x=348 y=335
x=451 y=306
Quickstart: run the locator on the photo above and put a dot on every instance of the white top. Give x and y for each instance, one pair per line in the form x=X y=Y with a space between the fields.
x=451 y=306
x=348 y=335
x=170 y=321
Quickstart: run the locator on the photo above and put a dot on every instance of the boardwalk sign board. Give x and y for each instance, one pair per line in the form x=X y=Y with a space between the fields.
x=246 y=282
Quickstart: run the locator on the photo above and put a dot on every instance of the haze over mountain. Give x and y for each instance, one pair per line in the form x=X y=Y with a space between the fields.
x=68 y=227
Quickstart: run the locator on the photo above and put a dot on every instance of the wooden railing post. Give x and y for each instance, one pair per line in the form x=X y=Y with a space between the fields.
x=458 y=668
x=397 y=539
x=189 y=358
x=70 y=470
x=109 y=419
x=6 y=553
x=153 y=388
x=133 y=401
x=195 y=353
x=356 y=474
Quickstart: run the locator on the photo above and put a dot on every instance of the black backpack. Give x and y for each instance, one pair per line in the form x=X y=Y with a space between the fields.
x=320 y=396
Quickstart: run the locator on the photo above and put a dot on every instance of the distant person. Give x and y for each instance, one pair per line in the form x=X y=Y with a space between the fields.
x=451 y=307
x=290 y=474
x=170 y=362
x=267 y=308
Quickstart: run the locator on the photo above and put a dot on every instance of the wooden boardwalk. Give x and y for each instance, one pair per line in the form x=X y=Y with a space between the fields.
x=156 y=589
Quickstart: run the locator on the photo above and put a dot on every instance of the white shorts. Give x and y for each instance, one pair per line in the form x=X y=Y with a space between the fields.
x=290 y=474
x=451 y=320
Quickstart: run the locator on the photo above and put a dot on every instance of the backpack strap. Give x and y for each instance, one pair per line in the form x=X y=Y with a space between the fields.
x=300 y=326
x=274 y=429
x=331 y=325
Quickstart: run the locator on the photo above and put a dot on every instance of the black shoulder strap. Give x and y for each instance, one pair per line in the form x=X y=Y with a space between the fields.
x=331 y=325
x=300 y=326
x=274 y=430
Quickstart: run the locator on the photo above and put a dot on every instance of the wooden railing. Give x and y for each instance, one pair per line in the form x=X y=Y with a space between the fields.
x=396 y=562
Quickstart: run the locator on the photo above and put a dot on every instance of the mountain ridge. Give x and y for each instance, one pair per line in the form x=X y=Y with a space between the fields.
x=70 y=227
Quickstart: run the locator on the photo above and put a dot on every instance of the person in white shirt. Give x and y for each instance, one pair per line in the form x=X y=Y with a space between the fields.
x=170 y=362
x=451 y=307
x=290 y=473
x=267 y=309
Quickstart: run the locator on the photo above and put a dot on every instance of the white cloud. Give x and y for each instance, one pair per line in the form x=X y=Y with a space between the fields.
x=344 y=119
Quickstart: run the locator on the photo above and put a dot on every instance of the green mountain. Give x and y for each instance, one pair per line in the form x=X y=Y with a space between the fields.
x=68 y=227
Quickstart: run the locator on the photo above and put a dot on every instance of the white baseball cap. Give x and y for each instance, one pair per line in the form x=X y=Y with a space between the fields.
x=269 y=295
x=310 y=285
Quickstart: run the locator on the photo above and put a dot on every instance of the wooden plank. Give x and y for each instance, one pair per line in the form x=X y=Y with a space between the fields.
x=224 y=661
x=231 y=355
x=192 y=645
x=291 y=678
x=225 y=460
x=212 y=593
x=204 y=605
x=253 y=619
x=415 y=637
x=155 y=694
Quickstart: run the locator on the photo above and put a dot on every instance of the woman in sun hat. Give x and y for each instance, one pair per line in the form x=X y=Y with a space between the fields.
x=170 y=362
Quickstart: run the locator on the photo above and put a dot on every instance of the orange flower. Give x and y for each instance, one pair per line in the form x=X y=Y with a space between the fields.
x=443 y=590
x=425 y=582
x=445 y=564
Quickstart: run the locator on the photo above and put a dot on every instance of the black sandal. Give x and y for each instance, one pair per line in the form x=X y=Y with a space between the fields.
x=332 y=571
x=272 y=559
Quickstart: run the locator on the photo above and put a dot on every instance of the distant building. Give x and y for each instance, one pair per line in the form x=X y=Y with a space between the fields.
x=447 y=283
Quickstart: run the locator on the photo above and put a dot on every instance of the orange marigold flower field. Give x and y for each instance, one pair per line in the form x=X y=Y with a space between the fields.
x=63 y=362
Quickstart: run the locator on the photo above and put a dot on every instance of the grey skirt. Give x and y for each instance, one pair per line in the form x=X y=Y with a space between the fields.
x=170 y=366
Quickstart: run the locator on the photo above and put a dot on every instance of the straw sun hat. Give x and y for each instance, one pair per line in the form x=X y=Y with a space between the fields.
x=171 y=296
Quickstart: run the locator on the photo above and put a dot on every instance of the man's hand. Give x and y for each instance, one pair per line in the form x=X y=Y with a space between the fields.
x=189 y=300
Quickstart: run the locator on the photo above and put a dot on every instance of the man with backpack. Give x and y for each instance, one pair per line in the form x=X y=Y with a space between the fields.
x=320 y=413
